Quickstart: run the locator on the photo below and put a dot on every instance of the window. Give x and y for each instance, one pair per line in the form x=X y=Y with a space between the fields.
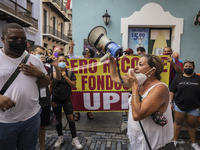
x=54 y=25
x=45 y=45
x=29 y=6
x=152 y=39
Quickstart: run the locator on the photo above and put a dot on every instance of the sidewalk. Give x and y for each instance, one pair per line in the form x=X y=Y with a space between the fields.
x=106 y=132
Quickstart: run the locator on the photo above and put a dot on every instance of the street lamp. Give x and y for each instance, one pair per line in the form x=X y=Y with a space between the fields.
x=197 y=19
x=106 y=18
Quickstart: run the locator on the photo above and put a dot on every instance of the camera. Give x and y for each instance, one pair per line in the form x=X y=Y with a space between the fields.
x=48 y=60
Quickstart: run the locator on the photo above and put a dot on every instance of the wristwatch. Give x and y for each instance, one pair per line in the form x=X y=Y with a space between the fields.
x=43 y=74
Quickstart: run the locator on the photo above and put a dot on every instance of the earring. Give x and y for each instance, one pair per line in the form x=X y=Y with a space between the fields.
x=149 y=76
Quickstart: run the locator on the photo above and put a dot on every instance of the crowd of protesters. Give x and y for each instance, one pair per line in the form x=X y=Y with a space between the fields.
x=43 y=77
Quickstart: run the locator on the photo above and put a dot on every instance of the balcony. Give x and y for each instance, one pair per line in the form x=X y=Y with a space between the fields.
x=55 y=35
x=11 y=11
x=58 y=7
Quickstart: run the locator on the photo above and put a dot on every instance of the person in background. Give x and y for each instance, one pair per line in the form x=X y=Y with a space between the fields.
x=176 y=56
x=87 y=53
x=61 y=99
x=19 y=126
x=44 y=95
x=56 y=51
x=49 y=52
x=141 y=51
x=185 y=101
x=128 y=52
x=175 y=66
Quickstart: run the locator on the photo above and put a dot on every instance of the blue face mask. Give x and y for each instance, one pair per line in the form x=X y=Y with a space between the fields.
x=38 y=56
x=62 y=65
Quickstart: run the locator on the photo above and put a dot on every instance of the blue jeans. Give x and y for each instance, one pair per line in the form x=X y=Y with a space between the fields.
x=194 y=112
x=22 y=135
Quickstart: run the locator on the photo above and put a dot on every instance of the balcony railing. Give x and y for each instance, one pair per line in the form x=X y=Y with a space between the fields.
x=16 y=9
x=50 y=30
x=59 y=3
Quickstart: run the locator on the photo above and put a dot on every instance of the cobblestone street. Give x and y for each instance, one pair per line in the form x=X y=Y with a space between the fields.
x=104 y=141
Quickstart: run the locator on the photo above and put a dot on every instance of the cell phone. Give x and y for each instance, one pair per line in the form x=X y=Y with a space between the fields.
x=131 y=70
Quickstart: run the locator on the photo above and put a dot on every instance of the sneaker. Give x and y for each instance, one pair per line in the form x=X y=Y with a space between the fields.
x=181 y=142
x=59 y=141
x=175 y=143
x=76 y=143
x=195 y=146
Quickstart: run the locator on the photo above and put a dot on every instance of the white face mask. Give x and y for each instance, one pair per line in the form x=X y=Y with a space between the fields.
x=142 y=77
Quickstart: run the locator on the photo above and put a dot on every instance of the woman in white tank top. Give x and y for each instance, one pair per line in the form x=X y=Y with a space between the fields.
x=155 y=97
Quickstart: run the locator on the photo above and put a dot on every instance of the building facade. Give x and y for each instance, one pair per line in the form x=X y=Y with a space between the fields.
x=54 y=24
x=24 y=13
x=154 y=24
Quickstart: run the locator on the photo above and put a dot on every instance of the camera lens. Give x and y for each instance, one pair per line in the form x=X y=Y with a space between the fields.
x=48 y=60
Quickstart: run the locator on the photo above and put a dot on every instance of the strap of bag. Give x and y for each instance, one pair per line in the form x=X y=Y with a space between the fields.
x=145 y=136
x=13 y=76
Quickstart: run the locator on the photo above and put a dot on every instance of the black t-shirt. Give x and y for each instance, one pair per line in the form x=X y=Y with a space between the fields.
x=62 y=89
x=186 y=92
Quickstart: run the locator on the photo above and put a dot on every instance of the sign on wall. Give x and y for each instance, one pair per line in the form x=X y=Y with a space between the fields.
x=138 y=37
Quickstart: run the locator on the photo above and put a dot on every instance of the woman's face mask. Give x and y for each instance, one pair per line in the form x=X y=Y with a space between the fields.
x=62 y=64
x=188 y=71
x=142 y=77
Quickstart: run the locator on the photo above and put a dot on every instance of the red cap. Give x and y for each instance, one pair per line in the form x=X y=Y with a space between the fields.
x=129 y=50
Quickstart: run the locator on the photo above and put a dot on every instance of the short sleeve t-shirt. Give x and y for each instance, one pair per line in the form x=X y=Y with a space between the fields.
x=23 y=90
x=186 y=92
x=62 y=89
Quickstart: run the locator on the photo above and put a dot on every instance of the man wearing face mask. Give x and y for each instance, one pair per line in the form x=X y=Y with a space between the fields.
x=141 y=51
x=44 y=94
x=19 y=126
x=175 y=66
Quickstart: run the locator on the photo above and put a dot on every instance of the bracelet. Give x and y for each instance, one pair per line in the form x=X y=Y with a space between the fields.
x=135 y=95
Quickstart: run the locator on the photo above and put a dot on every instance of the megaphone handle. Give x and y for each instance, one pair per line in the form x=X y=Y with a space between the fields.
x=106 y=56
x=120 y=77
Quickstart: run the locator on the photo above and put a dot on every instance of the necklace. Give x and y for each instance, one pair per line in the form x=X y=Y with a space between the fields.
x=10 y=59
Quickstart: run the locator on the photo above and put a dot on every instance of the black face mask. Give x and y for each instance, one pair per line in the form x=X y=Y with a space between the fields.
x=17 y=47
x=188 y=71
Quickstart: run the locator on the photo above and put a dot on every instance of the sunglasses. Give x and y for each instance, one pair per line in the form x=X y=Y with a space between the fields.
x=189 y=61
x=127 y=53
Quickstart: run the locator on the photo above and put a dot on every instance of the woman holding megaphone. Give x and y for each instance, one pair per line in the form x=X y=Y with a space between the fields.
x=150 y=124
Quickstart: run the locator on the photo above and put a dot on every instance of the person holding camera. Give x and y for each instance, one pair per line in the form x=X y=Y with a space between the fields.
x=149 y=99
x=44 y=94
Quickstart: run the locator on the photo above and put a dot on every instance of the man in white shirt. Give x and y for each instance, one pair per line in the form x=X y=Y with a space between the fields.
x=19 y=125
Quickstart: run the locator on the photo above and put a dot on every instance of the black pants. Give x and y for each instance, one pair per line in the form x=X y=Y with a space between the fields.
x=68 y=109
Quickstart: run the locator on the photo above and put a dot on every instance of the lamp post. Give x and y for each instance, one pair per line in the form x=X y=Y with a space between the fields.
x=197 y=19
x=106 y=18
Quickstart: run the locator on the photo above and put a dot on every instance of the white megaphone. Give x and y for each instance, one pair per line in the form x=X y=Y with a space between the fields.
x=98 y=36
